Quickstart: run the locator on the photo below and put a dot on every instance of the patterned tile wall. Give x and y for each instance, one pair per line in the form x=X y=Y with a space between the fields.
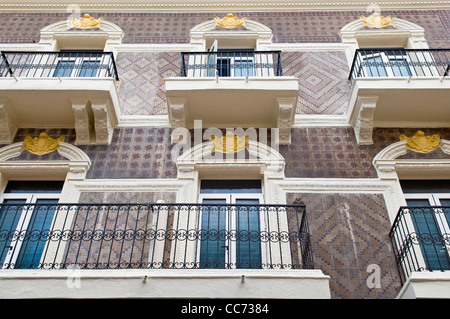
x=133 y=153
x=324 y=87
x=349 y=232
x=174 y=27
x=313 y=153
x=126 y=197
x=334 y=153
x=141 y=90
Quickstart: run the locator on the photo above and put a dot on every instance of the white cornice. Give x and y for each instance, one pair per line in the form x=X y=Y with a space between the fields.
x=218 y=6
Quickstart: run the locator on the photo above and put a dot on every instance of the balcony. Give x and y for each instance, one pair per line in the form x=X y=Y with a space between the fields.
x=66 y=89
x=421 y=240
x=399 y=88
x=233 y=89
x=216 y=243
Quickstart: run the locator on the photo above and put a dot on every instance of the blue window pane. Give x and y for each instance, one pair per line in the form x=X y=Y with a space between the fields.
x=89 y=69
x=9 y=218
x=213 y=245
x=374 y=66
x=64 y=68
x=36 y=235
x=426 y=228
x=243 y=68
x=399 y=67
x=248 y=243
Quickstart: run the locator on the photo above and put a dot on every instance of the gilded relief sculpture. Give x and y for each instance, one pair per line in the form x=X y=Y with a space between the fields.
x=230 y=21
x=376 y=21
x=86 y=22
x=229 y=143
x=421 y=143
x=41 y=145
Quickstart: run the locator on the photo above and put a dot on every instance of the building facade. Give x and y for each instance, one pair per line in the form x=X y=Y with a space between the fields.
x=205 y=150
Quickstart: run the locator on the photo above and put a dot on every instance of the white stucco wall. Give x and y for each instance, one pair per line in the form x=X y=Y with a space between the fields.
x=164 y=283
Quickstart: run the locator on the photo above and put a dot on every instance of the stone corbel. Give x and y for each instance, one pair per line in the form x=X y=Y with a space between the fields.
x=285 y=120
x=102 y=123
x=8 y=126
x=82 y=121
x=362 y=119
x=177 y=114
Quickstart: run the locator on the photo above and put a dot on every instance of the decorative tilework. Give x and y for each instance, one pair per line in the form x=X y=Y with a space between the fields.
x=313 y=153
x=287 y=27
x=334 y=152
x=349 y=232
x=323 y=81
x=133 y=153
x=142 y=74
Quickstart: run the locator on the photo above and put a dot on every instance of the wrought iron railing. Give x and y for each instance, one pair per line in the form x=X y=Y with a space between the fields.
x=400 y=63
x=58 y=64
x=154 y=236
x=421 y=239
x=231 y=64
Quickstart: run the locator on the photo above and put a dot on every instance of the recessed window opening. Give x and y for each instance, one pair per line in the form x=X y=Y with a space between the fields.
x=26 y=208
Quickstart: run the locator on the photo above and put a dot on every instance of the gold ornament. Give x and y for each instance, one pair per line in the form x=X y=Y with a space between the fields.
x=229 y=143
x=376 y=21
x=86 y=22
x=229 y=21
x=421 y=143
x=41 y=145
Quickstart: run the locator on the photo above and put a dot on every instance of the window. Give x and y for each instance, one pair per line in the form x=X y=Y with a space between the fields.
x=384 y=63
x=230 y=62
x=231 y=224
x=429 y=207
x=26 y=215
x=78 y=64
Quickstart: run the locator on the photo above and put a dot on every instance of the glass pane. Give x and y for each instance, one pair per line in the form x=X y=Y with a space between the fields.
x=9 y=218
x=374 y=66
x=446 y=209
x=213 y=233
x=223 y=67
x=230 y=186
x=36 y=234
x=419 y=202
x=399 y=66
x=430 y=238
x=64 y=68
x=243 y=68
x=248 y=242
x=89 y=69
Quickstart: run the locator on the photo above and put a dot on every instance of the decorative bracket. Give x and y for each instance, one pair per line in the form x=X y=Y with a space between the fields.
x=362 y=119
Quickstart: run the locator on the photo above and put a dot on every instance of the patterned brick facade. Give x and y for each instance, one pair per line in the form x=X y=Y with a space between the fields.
x=313 y=153
x=349 y=232
x=288 y=27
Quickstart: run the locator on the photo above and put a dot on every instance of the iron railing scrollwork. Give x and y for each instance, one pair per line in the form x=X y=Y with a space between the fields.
x=231 y=64
x=154 y=236
x=421 y=239
x=369 y=63
x=62 y=64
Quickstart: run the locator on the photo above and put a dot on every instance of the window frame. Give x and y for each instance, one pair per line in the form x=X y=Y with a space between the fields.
x=15 y=246
x=231 y=225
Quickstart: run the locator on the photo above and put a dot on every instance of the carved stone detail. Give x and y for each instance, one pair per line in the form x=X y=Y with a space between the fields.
x=82 y=122
x=92 y=122
x=177 y=116
x=362 y=119
x=102 y=124
x=285 y=120
x=8 y=127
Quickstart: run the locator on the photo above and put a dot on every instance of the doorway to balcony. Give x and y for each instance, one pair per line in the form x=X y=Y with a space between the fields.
x=428 y=204
x=231 y=224
x=27 y=209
